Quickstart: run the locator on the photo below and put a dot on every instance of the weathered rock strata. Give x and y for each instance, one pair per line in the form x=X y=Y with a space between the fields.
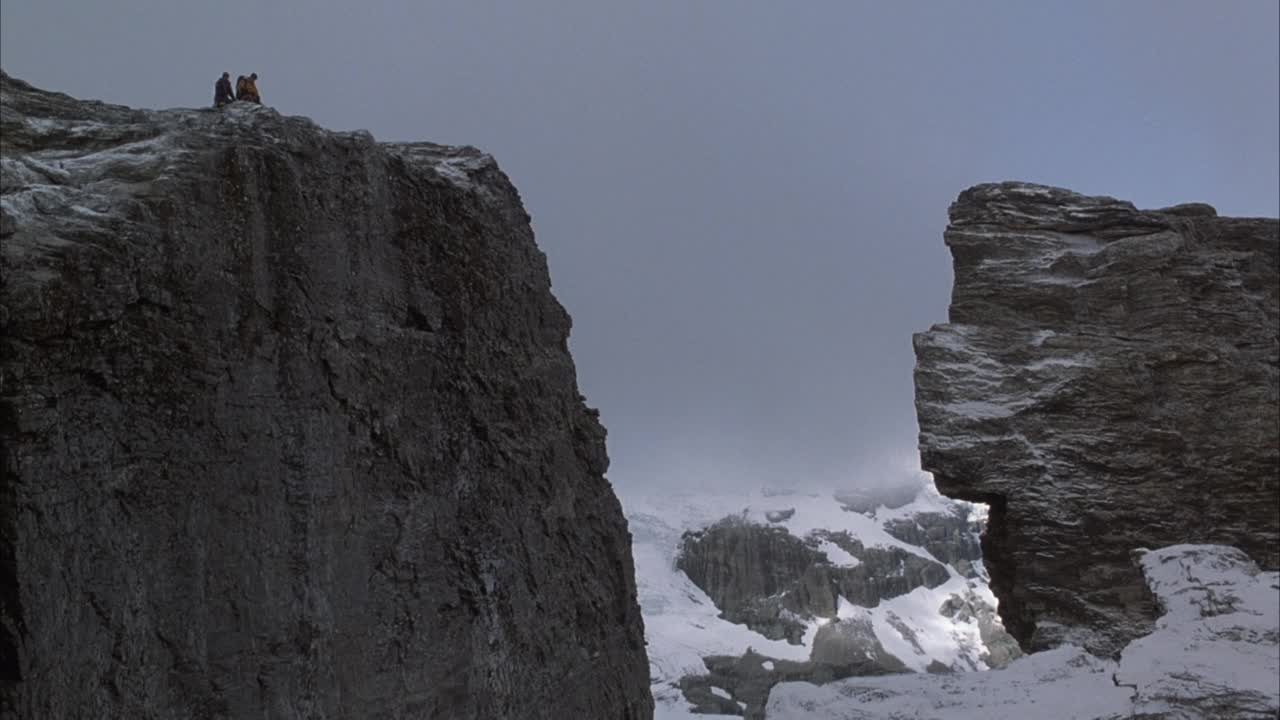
x=290 y=429
x=758 y=576
x=773 y=582
x=1109 y=379
x=952 y=537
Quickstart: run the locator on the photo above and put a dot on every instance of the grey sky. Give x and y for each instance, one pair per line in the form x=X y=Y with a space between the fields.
x=742 y=202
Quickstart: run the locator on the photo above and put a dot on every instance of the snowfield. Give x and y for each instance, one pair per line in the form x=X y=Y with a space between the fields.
x=682 y=625
x=1214 y=654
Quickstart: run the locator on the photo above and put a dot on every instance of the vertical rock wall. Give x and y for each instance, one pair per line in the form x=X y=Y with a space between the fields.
x=1109 y=380
x=291 y=430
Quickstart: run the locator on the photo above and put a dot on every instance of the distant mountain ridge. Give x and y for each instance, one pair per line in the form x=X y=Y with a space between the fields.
x=740 y=592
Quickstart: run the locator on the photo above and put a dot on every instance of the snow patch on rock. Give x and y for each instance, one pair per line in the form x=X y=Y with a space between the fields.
x=1214 y=653
x=682 y=624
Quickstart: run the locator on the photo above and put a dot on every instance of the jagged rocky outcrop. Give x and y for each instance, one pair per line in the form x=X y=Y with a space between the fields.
x=290 y=429
x=737 y=603
x=777 y=584
x=773 y=582
x=1109 y=379
x=758 y=576
x=1002 y=649
x=950 y=536
x=739 y=685
x=1214 y=654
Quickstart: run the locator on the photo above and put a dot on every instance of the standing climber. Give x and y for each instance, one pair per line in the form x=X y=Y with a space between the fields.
x=222 y=91
x=247 y=89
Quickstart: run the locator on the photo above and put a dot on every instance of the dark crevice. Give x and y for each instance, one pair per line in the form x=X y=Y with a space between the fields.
x=998 y=563
x=417 y=320
x=11 y=620
x=1002 y=571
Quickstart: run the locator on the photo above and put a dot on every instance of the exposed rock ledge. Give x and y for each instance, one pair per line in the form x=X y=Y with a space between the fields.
x=290 y=429
x=1109 y=380
x=1214 y=655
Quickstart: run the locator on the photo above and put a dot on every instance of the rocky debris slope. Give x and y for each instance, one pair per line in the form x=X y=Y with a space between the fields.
x=1214 y=654
x=796 y=586
x=291 y=429
x=1109 y=379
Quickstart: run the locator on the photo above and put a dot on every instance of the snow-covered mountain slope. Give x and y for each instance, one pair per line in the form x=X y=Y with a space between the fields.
x=1214 y=654
x=927 y=628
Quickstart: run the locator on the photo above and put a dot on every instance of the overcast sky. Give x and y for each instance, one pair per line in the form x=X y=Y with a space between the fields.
x=742 y=202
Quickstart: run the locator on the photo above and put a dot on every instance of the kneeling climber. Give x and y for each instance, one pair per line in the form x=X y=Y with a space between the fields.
x=247 y=89
x=222 y=91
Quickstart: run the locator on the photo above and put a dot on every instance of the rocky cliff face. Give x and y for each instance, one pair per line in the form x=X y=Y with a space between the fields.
x=774 y=582
x=1109 y=380
x=1214 y=655
x=948 y=536
x=291 y=429
x=744 y=591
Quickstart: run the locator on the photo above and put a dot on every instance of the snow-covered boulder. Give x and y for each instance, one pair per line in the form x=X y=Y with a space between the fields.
x=1216 y=650
x=1214 y=655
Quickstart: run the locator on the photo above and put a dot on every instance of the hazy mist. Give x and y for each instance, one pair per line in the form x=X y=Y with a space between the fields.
x=742 y=203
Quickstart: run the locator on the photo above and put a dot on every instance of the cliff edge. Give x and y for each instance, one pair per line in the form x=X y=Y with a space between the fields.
x=1109 y=380
x=291 y=429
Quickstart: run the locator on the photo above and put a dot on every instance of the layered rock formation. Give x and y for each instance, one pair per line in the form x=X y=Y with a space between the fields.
x=952 y=537
x=291 y=429
x=799 y=587
x=1109 y=379
x=775 y=583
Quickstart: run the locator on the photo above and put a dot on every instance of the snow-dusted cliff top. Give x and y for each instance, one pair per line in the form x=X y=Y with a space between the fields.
x=290 y=429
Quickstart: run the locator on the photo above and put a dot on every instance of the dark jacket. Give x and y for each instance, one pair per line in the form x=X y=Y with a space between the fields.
x=222 y=92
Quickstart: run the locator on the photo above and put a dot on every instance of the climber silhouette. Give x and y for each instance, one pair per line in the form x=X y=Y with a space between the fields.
x=247 y=89
x=222 y=91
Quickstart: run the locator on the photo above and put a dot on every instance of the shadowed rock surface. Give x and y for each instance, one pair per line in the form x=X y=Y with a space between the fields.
x=1109 y=380
x=952 y=537
x=772 y=581
x=776 y=583
x=736 y=601
x=758 y=576
x=1002 y=649
x=842 y=641
x=1214 y=655
x=290 y=429
x=747 y=679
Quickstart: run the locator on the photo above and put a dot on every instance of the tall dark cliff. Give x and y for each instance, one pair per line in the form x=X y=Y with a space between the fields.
x=291 y=430
x=1109 y=380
